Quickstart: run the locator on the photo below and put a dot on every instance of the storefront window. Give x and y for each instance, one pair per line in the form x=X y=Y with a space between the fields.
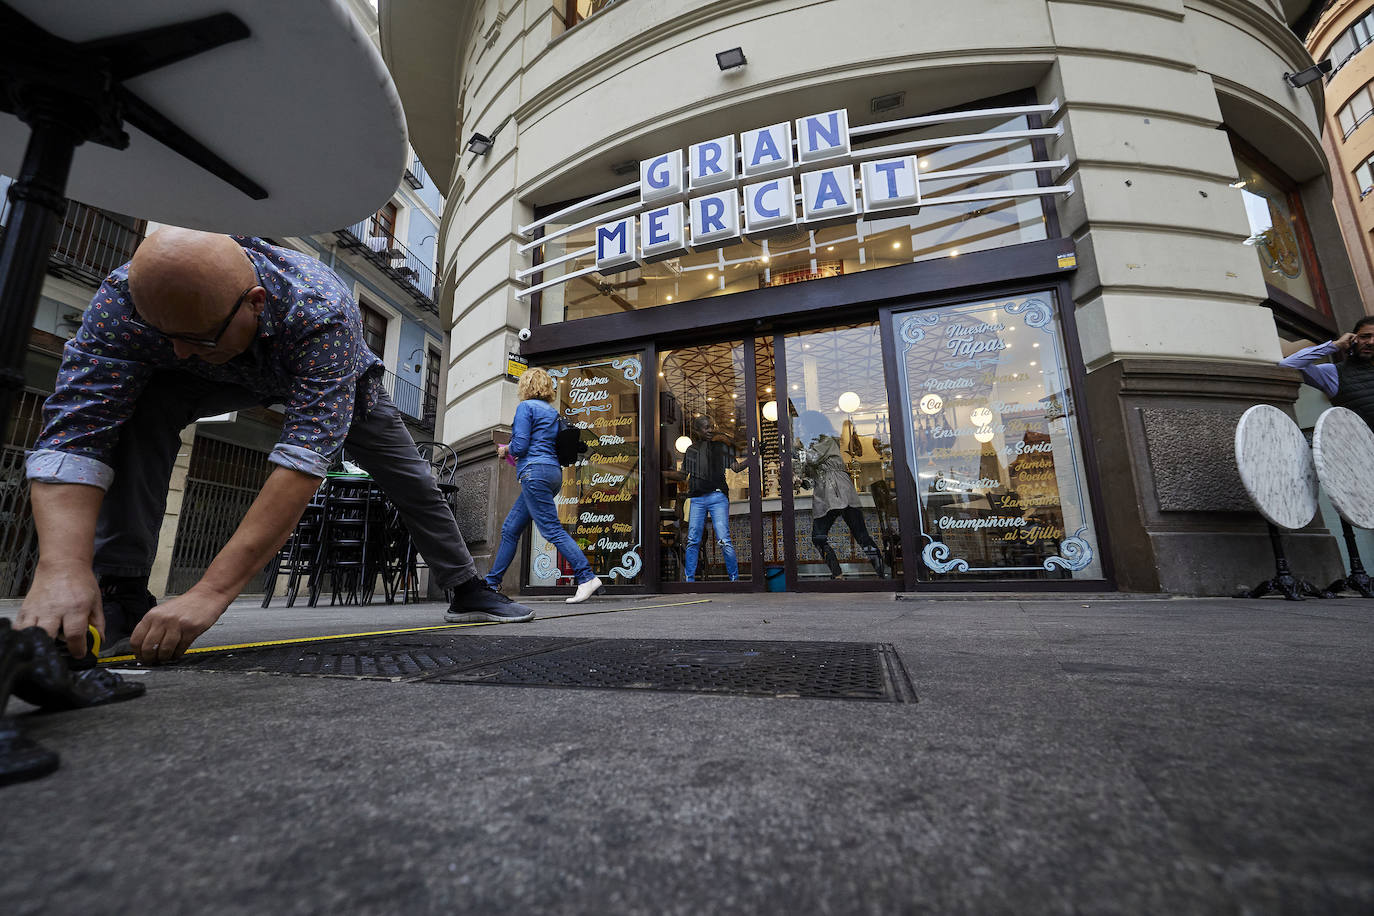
x=845 y=511
x=599 y=503
x=800 y=254
x=994 y=442
x=1278 y=230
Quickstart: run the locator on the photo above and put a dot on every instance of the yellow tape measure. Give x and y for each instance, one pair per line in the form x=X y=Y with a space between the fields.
x=449 y=626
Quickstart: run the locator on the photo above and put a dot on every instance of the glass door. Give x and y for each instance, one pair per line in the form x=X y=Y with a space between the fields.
x=709 y=487
x=837 y=479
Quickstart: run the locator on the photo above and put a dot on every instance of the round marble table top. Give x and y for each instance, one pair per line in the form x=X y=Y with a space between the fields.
x=304 y=107
x=1343 y=451
x=1276 y=467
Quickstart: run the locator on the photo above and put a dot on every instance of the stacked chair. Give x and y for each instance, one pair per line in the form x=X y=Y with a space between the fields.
x=351 y=537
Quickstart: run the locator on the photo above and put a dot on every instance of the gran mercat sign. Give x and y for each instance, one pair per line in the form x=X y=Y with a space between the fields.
x=772 y=179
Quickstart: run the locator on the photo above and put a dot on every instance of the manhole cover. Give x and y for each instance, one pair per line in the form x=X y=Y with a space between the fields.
x=830 y=670
x=390 y=658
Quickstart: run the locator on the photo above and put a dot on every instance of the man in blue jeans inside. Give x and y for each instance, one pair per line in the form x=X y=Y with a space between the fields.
x=704 y=464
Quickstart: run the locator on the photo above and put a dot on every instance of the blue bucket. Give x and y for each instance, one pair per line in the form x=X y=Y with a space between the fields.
x=776 y=578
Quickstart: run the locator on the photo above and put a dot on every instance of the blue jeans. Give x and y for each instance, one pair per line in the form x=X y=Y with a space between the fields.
x=539 y=484
x=716 y=505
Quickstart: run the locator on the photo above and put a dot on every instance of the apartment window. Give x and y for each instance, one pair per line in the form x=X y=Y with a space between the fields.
x=1356 y=111
x=374 y=328
x=571 y=12
x=431 y=383
x=1364 y=176
x=383 y=225
x=1352 y=41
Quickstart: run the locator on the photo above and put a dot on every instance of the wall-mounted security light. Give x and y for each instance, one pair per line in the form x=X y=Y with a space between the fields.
x=480 y=144
x=731 y=59
x=1310 y=75
x=890 y=102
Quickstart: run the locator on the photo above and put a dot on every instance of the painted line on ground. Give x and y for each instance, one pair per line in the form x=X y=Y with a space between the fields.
x=448 y=626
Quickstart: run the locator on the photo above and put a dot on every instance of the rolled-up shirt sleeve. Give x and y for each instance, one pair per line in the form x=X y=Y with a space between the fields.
x=97 y=386
x=1317 y=374
x=324 y=368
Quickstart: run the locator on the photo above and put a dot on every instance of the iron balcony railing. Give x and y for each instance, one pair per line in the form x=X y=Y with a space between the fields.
x=90 y=242
x=395 y=260
x=407 y=396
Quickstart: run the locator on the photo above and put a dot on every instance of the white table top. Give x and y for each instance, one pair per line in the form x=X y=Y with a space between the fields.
x=1343 y=451
x=304 y=107
x=1276 y=466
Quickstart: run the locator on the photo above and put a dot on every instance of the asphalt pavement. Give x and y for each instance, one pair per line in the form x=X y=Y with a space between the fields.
x=1065 y=755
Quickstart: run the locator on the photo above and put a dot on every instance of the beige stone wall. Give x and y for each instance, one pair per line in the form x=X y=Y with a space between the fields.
x=1163 y=272
x=162 y=564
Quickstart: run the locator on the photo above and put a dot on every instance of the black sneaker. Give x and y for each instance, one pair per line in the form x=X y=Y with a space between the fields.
x=476 y=602
x=124 y=605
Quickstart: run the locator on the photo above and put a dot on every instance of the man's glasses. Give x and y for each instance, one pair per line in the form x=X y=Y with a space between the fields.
x=208 y=343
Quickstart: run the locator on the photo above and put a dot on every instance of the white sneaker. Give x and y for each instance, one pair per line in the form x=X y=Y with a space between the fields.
x=586 y=590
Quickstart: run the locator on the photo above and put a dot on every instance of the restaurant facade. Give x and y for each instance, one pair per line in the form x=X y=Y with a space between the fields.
x=938 y=299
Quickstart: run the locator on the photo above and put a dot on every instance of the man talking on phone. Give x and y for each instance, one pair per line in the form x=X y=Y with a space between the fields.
x=1349 y=383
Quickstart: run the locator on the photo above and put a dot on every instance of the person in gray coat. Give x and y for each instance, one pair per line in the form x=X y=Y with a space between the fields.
x=833 y=496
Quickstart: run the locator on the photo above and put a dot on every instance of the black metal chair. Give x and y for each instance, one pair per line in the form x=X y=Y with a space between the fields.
x=443 y=460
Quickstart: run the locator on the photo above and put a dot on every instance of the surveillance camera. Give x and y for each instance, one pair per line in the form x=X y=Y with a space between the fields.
x=524 y=334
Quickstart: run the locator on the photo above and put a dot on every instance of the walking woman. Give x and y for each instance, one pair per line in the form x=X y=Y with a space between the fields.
x=541 y=477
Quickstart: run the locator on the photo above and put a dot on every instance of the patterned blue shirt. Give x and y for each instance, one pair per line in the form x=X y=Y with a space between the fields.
x=309 y=354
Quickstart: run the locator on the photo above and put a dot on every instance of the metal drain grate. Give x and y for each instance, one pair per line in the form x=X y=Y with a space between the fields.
x=390 y=658
x=830 y=670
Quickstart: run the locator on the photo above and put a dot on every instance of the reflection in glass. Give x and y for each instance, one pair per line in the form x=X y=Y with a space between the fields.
x=599 y=502
x=704 y=524
x=994 y=442
x=1275 y=232
x=801 y=254
x=843 y=505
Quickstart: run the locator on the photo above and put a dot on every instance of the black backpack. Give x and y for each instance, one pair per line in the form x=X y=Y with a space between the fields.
x=568 y=444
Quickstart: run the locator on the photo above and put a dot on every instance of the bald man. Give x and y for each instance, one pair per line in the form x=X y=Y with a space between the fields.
x=198 y=325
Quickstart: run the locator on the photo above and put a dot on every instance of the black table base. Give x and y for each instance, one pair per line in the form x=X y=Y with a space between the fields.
x=69 y=93
x=1283 y=581
x=1358 y=581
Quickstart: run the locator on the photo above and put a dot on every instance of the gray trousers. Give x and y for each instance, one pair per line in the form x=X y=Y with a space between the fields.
x=130 y=520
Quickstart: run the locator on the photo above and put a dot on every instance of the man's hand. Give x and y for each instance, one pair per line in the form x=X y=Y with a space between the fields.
x=67 y=600
x=502 y=451
x=168 y=629
x=1346 y=341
